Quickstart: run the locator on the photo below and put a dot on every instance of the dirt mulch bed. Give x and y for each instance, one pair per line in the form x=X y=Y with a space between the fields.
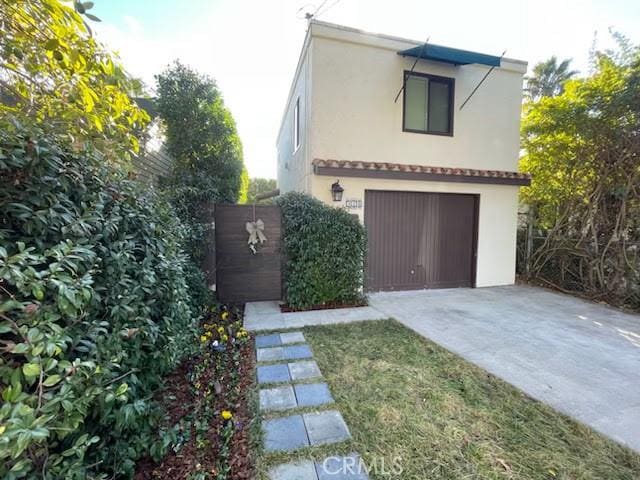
x=200 y=448
x=327 y=306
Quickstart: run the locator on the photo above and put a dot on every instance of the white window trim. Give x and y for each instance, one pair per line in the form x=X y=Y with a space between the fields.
x=296 y=126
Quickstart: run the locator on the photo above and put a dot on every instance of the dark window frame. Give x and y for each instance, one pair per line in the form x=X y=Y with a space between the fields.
x=452 y=86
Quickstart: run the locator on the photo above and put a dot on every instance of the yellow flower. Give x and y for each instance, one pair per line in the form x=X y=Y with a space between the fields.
x=203 y=338
x=3 y=428
x=226 y=414
x=225 y=338
x=225 y=315
x=220 y=329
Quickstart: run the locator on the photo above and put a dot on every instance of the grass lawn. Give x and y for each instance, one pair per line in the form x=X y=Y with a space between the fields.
x=404 y=396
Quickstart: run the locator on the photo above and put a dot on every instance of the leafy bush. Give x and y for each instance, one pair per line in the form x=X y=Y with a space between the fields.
x=94 y=309
x=325 y=250
x=581 y=148
x=55 y=72
x=258 y=186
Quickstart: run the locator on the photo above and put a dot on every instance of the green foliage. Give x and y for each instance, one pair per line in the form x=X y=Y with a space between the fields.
x=582 y=150
x=54 y=72
x=548 y=78
x=202 y=139
x=94 y=309
x=258 y=186
x=578 y=139
x=243 y=196
x=201 y=135
x=97 y=300
x=325 y=250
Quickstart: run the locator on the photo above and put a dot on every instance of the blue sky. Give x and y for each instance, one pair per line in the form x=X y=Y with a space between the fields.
x=251 y=47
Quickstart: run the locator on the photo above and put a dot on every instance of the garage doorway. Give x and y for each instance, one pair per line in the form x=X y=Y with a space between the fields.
x=420 y=240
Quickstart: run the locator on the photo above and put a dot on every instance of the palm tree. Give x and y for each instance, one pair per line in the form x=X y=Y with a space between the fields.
x=548 y=78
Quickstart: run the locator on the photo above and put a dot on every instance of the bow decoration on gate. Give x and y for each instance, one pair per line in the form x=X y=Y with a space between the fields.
x=255 y=230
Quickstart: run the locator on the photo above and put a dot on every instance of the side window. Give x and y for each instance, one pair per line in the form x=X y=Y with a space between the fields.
x=296 y=125
x=428 y=104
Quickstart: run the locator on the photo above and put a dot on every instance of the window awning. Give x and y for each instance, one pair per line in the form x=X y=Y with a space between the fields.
x=454 y=56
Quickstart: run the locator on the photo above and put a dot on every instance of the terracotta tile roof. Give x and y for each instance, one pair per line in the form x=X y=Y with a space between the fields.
x=400 y=167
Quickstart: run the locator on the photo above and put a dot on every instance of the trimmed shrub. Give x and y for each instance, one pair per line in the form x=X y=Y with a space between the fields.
x=325 y=250
x=94 y=309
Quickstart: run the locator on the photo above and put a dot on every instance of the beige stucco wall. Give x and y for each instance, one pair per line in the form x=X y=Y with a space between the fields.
x=353 y=115
x=294 y=166
x=497 y=222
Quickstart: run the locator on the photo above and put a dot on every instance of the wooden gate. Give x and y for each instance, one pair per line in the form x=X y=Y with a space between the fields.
x=242 y=276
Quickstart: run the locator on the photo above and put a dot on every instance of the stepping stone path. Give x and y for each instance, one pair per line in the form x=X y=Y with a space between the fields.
x=331 y=468
x=281 y=391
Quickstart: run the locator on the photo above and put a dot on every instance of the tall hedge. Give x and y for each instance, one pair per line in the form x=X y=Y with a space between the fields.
x=325 y=250
x=94 y=309
x=204 y=143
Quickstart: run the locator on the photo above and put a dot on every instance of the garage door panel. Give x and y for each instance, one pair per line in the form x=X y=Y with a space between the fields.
x=420 y=240
x=455 y=235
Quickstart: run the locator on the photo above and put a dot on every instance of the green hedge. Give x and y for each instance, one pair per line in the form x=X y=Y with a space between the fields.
x=94 y=309
x=325 y=250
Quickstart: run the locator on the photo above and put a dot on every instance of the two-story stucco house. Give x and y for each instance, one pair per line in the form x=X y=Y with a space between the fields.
x=434 y=182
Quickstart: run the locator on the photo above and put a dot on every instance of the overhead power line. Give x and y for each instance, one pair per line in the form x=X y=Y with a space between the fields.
x=320 y=10
x=329 y=7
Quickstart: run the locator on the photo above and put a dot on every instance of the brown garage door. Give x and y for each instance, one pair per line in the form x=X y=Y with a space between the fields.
x=420 y=240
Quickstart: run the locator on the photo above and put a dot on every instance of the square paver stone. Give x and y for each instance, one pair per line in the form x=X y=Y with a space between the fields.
x=270 y=354
x=313 y=394
x=269 y=321
x=303 y=370
x=350 y=467
x=304 y=470
x=292 y=337
x=273 y=373
x=294 y=352
x=326 y=427
x=286 y=433
x=272 y=340
x=277 y=398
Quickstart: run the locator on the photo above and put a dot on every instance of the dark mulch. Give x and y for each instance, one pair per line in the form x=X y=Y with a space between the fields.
x=182 y=402
x=241 y=459
x=177 y=397
x=325 y=306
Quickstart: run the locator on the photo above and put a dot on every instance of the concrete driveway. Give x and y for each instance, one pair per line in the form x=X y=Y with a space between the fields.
x=581 y=358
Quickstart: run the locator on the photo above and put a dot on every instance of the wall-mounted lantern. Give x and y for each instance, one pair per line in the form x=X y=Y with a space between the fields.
x=336 y=191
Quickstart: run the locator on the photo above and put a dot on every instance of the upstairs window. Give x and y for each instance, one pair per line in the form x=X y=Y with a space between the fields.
x=296 y=125
x=428 y=104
